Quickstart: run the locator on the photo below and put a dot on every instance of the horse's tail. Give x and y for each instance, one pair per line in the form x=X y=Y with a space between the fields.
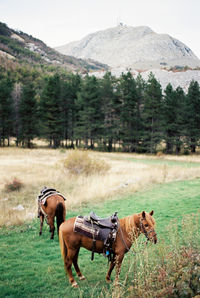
x=63 y=247
x=60 y=214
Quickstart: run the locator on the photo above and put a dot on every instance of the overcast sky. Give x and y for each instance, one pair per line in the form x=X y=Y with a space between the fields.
x=57 y=22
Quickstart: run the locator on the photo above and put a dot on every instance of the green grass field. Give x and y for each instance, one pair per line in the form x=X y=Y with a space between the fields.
x=31 y=266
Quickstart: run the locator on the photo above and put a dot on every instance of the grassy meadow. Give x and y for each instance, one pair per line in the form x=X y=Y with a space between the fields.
x=31 y=266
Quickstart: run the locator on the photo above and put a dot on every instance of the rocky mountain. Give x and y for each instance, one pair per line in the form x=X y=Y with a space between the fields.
x=140 y=50
x=181 y=77
x=132 y=47
x=20 y=47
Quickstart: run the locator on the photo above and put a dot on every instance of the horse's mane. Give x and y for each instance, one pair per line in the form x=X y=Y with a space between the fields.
x=129 y=223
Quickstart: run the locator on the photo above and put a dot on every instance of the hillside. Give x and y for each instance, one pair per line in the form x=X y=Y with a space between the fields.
x=132 y=47
x=20 y=47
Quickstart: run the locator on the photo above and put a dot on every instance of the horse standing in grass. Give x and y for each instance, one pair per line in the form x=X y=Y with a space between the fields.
x=129 y=229
x=51 y=204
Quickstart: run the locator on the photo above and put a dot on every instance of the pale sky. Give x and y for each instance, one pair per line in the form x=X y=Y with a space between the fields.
x=57 y=22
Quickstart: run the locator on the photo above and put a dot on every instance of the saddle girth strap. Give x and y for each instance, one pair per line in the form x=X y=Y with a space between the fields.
x=93 y=249
x=93 y=245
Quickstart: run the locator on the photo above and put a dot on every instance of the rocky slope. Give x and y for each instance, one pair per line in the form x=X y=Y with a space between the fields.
x=176 y=78
x=23 y=48
x=132 y=47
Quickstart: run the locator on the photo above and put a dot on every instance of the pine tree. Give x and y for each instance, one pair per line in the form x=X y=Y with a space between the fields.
x=69 y=88
x=193 y=115
x=153 y=114
x=6 y=110
x=180 y=99
x=65 y=108
x=16 y=95
x=174 y=118
x=170 y=113
x=51 y=111
x=128 y=114
x=140 y=126
x=28 y=114
x=109 y=105
x=89 y=119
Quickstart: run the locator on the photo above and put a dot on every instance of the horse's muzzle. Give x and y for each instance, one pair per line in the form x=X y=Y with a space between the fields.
x=153 y=237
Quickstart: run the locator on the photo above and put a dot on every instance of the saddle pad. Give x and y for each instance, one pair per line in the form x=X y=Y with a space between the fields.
x=47 y=192
x=92 y=231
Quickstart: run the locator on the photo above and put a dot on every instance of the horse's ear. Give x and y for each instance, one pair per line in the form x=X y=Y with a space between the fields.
x=143 y=214
x=151 y=213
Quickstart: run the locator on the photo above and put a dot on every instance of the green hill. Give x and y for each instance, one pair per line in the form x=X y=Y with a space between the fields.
x=19 y=47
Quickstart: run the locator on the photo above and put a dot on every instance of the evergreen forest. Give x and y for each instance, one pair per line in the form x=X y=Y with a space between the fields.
x=110 y=114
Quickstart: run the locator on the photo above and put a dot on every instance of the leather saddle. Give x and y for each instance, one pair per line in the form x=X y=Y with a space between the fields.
x=108 y=222
x=97 y=228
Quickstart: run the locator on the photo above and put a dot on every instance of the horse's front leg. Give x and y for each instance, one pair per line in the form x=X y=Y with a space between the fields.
x=41 y=223
x=119 y=259
x=112 y=265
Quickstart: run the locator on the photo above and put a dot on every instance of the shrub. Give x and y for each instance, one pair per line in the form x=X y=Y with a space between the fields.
x=171 y=269
x=13 y=185
x=79 y=162
x=168 y=269
x=173 y=274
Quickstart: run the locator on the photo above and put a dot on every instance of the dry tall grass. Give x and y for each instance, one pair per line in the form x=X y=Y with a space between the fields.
x=38 y=167
x=168 y=269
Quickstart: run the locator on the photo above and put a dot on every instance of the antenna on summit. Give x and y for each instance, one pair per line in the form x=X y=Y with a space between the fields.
x=119 y=21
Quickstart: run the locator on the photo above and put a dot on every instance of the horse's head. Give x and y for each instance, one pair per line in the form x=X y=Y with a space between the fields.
x=147 y=224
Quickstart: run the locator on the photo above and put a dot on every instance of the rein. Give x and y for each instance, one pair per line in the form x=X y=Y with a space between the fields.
x=122 y=237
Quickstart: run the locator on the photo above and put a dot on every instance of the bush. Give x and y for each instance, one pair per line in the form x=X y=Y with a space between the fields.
x=169 y=269
x=79 y=162
x=13 y=185
x=173 y=269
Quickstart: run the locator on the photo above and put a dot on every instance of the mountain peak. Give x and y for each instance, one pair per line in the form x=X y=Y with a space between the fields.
x=132 y=47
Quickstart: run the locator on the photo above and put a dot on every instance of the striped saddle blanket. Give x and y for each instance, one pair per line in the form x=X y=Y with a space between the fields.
x=47 y=192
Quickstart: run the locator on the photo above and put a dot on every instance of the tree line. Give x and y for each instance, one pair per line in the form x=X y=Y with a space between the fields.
x=109 y=113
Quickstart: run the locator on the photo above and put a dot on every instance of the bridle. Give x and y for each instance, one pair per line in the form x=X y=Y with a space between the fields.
x=141 y=229
x=144 y=231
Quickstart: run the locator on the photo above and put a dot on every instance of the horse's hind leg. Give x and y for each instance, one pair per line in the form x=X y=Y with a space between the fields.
x=52 y=227
x=68 y=266
x=75 y=263
x=41 y=223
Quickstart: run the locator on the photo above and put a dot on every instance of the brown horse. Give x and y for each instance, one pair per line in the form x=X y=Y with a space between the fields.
x=54 y=207
x=129 y=229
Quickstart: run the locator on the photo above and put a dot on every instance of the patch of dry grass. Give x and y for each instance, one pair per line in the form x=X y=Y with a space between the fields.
x=39 y=167
x=168 y=269
x=80 y=163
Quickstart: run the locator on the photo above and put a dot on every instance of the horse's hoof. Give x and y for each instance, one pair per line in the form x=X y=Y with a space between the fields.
x=108 y=280
x=74 y=284
x=82 y=277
